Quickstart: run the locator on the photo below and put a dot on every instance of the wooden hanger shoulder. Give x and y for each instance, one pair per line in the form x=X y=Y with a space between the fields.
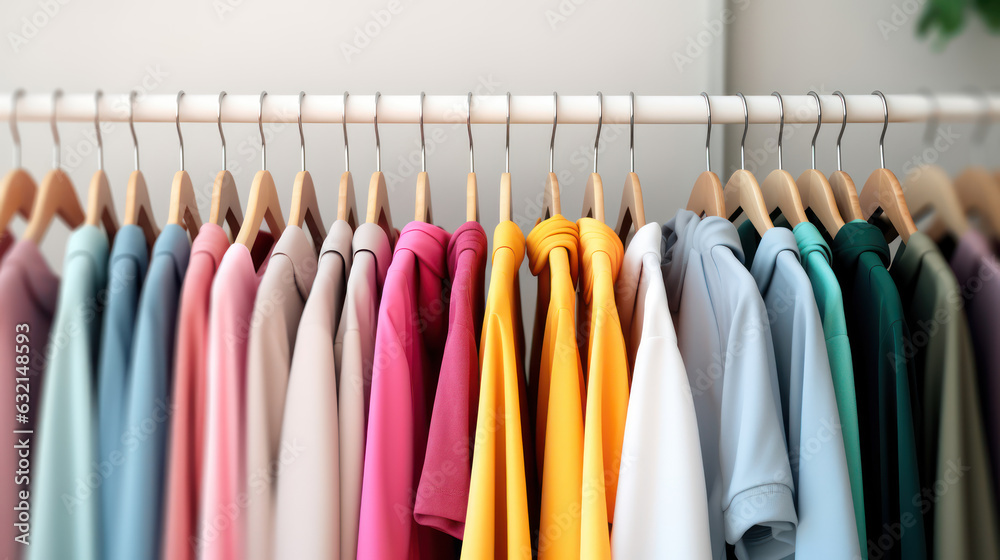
x=378 y=205
x=263 y=205
x=347 y=206
x=226 y=206
x=706 y=197
x=423 y=210
x=184 y=204
x=139 y=208
x=631 y=213
x=101 y=205
x=551 y=205
x=742 y=194
x=17 y=195
x=471 y=198
x=506 y=199
x=593 y=198
x=883 y=191
x=781 y=193
x=56 y=197
x=817 y=194
x=846 y=195
x=928 y=188
x=305 y=208
x=979 y=194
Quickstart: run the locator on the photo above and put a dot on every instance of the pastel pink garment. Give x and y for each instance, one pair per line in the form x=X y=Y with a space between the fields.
x=222 y=515
x=412 y=325
x=187 y=423
x=28 y=293
x=443 y=493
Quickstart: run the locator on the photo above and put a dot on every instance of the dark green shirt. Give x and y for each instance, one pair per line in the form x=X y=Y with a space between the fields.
x=957 y=496
x=883 y=376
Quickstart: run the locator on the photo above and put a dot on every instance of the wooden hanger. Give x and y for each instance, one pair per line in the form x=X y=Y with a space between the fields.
x=929 y=189
x=814 y=190
x=423 y=211
x=979 y=194
x=100 y=203
x=471 y=188
x=883 y=193
x=593 y=191
x=506 y=198
x=17 y=189
x=138 y=208
x=378 y=195
x=347 y=207
x=742 y=193
x=263 y=204
x=305 y=205
x=706 y=197
x=226 y=207
x=841 y=184
x=550 y=194
x=631 y=214
x=183 y=203
x=779 y=188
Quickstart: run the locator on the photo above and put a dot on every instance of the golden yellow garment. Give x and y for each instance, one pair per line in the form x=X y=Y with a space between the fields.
x=601 y=255
x=497 y=521
x=553 y=246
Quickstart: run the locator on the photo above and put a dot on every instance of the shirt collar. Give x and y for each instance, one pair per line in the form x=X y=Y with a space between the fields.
x=371 y=238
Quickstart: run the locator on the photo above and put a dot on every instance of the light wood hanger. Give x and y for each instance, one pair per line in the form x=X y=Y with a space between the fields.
x=347 y=207
x=100 y=203
x=378 y=195
x=506 y=200
x=471 y=188
x=183 y=203
x=17 y=189
x=423 y=209
x=550 y=195
x=631 y=214
x=263 y=203
x=844 y=191
x=882 y=192
x=814 y=190
x=138 y=207
x=706 y=197
x=979 y=194
x=779 y=188
x=226 y=206
x=593 y=191
x=305 y=204
x=742 y=193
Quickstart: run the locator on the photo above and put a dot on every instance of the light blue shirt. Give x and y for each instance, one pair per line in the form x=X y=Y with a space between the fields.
x=147 y=422
x=126 y=271
x=66 y=486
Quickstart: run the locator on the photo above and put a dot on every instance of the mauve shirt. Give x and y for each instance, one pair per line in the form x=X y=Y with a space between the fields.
x=443 y=493
x=28 y=291
x=187 y=423
x=412 y=324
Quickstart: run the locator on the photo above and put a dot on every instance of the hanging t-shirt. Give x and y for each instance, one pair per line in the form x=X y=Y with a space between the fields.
x=883 y=377
x=553 y=256
x=662 y=504
x=278 y=306
x=962 y=520
x=185 y=456
x=222 y=519
x=126 y=272
x=822 y=486
x=65 y=495
x=498 y=523
x=307 y=490
x=443 y=492
x=412 y=325
x=28 y=292
x=725 y=340
x=354 y=354
x=140 y=510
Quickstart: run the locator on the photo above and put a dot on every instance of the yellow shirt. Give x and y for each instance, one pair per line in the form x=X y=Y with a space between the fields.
x=601 y=254
x=553 y=246
x=497 y=521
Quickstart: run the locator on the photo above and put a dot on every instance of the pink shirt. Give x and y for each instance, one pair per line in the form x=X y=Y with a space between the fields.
x=443 y=493
x=28 y=293
x=187 y=425
x=224 y=499
x=409 y=340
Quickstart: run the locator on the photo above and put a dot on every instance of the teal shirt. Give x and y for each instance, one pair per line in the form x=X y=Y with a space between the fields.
x=65 y=487
x=126 y=271
x=137 y=534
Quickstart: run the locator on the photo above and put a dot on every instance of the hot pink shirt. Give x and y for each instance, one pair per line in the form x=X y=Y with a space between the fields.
x=409 y=340
x=224 y=491
x=187 y=427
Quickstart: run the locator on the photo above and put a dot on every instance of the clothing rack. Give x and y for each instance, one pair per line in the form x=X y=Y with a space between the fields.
x=492 y=109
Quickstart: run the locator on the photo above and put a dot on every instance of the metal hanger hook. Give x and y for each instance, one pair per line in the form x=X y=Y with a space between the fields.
x=819 y=123
x=423 y=149
x=177 y=121
x=56 y=151
x=600 y=121
x=468 y=123
x=843 y=126
x=378 y=143
x=506 y=158
x=746 y=126
x=885 y=126
x=708 y=133
x=302 y=136
x=631 y=132
x=343 y=121
x=222 y=135
x=260 y=127
x=97 y=129
x=18 y=94
x=781 y=123
x=131 y=126
x=555 y=123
